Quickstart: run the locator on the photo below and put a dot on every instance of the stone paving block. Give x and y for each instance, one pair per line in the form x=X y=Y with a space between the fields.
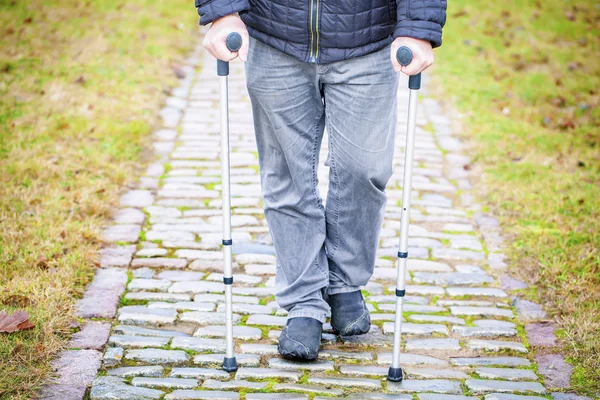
x=151 y=252
x=207 y=318
x=171 y=297
x=198 y=344
x=554 y=369
x=481 y=311
x=345 y=355
x=528 y=311
x=268 y=320
x=416 y=329
x=493 y=323
x=183 y=306
x=137 y=198
x=143 y=272
x=346 y=382
x=159 y=262
x=259 y=348
x=541 y=334
x=177 y=275
x=200 y=373
x=468 y=331
x=284 y=364
x=197 y=287
x=116 y=256
x=502 y=361
x=243 y=360
x=432 y=344
x=468 y=303
x=144 y=315
x=507 y=282
x=247 y=309
x=112 y=356
x=148 y=284
x=466 y=291
x=157 y=356
x=511 y=374
x=428 y=385
x=220 y=298
x=132 y=330
x=138 y=341
x=276 y=396
x=113 y=388
x=363 y=370
x=418 y=308
x=431 y=373
x=564 y=396
x=182 y=394
x=93 y=335
x=495 y=345
x=128 y=372
x=267 y=373
x=429 y=396
x=170 y=236
x=451 y=278
x=233 y=384
x=481 y=386
x=308 y=388
x=373 y=396
x=500 y=396
x=101 y=297
x=410 y=359
x=76 y=368
x=239 y=332
x=62 y=392
x=437 y=318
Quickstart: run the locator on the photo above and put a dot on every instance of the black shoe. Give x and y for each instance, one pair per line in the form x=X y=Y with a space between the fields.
x=349 y=314
x=301 y=338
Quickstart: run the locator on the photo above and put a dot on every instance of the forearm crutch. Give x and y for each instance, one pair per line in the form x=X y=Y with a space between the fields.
x=404 y=57
x=233 y=42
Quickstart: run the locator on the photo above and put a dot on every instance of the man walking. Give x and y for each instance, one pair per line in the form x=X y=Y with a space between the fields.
x=313 y=64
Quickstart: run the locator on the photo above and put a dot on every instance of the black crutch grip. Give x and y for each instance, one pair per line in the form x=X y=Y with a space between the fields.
x=404 y=56
x=233 y=43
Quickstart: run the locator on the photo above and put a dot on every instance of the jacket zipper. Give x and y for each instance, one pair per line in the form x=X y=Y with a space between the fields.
x=314 y=31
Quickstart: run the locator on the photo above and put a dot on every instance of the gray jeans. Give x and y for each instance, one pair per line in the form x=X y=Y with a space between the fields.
x=320 y=249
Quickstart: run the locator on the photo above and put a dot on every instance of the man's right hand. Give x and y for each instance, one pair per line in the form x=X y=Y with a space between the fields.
x=214 y=40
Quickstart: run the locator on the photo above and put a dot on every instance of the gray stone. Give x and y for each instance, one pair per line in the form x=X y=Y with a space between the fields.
x=101 y=297
x=541 y=334
x=198 y=344
x=437 y=318
x=143 y=273
x=308 y=388
x=233 y=384
x=247 y=308
x=418 y=308
x=145 y=315
x=284 y=364
x=416 y=329
x=113 y=388
x=93 y=335
x=172 y=383
x=346 y=382
x=138 y=341
x=468 y=303
x=157 y=296
x=454 y=254
x=466 y=291
x=137 y=198
x=427 y=396
x=116 y=256
x=373 y=338
x=76 y=367
x=507 y=282
x=122 y=233
x=410 y=359
x=500 y=396
x=431 y=373
x=267 y=320
x=207 y=318
x=469 y=244
x=432 y=344
x=157 y=356
x=276 y=396
x=458 y=228
x=364 y=370
x=451 y=278
x=373 y=396
x=511 y=374
x=197 y=287
x=127 y=372
x=183 y=305
x=200 y=373
x=151 y=252
x=219 y=298
x=112 y=356
x=554 y=369
x=267 y=373
x=239 y=332
x=181 y=275
x=159 y=262
x=493 y=323
x=428 y=385
x=480 y=386
x=495 y=345
x=201 y=395
x=468 y=331
x=259 y=348
x=528 y=311
x=244 y=360
x=481 y=311
x=503 y=361
x=141 y=331
x=148 y=284
x=345 y=355
x=62 y=392
x=566 y=396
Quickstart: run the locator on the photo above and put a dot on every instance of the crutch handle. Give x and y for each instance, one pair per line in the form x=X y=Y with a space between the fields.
x=233 y=43
x=404 y=56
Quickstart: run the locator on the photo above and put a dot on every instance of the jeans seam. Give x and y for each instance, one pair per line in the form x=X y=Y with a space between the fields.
x=314 y=186
x=337 y=193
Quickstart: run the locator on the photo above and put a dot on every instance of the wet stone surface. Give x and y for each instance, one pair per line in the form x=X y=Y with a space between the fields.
x=160 y=282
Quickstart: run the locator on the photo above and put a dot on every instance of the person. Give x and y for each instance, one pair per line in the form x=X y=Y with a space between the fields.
x=311 y=65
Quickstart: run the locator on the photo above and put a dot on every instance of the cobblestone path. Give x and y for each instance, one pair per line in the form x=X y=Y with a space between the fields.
x=158 y=299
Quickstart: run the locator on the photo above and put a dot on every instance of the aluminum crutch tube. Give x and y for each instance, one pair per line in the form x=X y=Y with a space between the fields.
x=233 y=42
x=404 y=57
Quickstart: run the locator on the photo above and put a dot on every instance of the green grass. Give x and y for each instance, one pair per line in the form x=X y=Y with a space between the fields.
x=80 y=87
x=525 y=76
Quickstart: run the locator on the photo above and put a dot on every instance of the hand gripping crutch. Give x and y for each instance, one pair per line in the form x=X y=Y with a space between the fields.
x=404 y=57
x=233 y=42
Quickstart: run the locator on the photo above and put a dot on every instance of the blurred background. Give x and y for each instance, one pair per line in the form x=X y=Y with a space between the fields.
x=81 y=84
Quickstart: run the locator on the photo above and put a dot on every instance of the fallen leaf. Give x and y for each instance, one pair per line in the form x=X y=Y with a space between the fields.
x=41 y=262
x=17 y=321
x=16 y=300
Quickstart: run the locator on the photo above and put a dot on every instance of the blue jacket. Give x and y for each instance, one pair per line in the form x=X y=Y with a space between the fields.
x=324 y=31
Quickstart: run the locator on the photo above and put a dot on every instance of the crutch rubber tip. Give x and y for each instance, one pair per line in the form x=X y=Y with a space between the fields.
x=230 y=364
x=395 y=374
